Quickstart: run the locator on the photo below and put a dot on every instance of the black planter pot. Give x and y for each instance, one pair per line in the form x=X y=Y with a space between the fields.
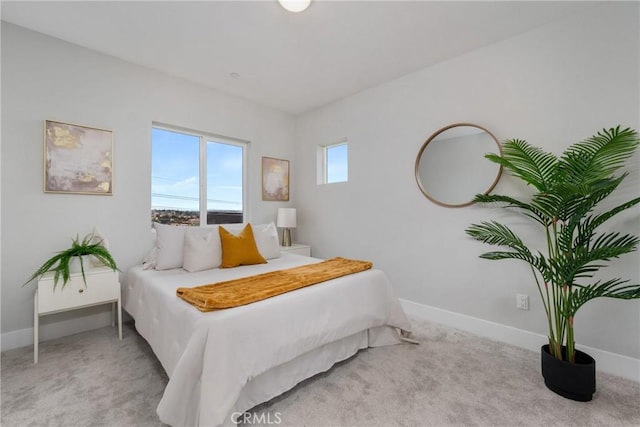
x=575 y=381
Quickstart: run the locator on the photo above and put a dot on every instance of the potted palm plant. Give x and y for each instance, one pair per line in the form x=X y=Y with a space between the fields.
x=567 y=209
x=80 y=252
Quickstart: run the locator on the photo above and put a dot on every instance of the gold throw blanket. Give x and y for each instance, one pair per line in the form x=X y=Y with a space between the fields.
x=245 y=290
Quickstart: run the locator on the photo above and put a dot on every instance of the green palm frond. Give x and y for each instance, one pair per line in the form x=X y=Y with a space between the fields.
x=565 y=201
x=494 y=233
x=531 y=164
x=584 y=261
x=580 y=228
x=497 y=234
x=612 y=288
x=550 y=204
x=538 y=262
x=612 y=245
x=566 y=272
x=509 y=202
x=598 y=157
x=588 y=226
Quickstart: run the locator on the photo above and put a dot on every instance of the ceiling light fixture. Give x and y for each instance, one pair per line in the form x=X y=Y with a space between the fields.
x=295 y=5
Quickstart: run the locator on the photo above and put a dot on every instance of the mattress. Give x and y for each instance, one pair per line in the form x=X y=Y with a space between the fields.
x=224 y=362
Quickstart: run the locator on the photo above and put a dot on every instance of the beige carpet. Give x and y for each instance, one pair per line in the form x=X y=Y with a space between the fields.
x=451 y=379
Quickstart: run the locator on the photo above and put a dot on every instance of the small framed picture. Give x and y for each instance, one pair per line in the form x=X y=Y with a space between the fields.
x=77 y=159
x=275 y=179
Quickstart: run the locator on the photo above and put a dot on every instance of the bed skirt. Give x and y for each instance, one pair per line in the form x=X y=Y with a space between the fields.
x=282 y=378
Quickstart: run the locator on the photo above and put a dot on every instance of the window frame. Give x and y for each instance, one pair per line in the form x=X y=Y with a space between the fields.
x=323 y=159
x=205 y=137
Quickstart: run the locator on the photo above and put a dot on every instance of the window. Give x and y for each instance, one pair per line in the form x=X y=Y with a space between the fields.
x=334 y=163
x=196 y=179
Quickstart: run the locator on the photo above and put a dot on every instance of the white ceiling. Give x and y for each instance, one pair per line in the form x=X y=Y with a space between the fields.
x=290 y=61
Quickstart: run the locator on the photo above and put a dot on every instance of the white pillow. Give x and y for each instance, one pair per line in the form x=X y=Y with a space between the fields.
x=265 y=235
x=151 y=259
x=169 y=245
x=202 y=249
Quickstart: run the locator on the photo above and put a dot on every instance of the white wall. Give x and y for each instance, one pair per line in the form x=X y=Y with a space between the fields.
x=552 y=86
x=45 y=78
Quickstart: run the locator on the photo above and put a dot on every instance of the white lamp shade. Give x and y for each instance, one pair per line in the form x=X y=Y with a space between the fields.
x=295 y=5
x=286 y=218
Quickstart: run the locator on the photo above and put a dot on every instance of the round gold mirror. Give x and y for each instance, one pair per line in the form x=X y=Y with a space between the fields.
x=451 y=168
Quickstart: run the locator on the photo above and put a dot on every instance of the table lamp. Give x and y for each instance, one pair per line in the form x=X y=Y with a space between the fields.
x=286 y=219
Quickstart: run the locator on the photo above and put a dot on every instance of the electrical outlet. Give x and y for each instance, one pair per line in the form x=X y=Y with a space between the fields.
x=522 y=302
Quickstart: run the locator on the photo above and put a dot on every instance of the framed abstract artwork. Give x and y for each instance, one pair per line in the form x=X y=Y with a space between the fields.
x=275 y=179
x=77 y=159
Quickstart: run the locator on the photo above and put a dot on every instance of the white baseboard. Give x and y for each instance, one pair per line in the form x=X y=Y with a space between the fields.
x=24 y=337
x=611 y=363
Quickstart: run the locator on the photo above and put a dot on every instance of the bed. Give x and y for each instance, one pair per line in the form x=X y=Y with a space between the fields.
x=222 y=363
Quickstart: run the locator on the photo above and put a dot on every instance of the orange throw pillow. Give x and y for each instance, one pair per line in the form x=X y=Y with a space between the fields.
x=240 y=249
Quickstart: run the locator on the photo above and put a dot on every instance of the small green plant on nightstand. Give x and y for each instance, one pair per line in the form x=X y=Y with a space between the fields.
x=60 y=262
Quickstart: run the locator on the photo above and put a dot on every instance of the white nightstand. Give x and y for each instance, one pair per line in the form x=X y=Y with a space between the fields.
x=297 y=248
x=102 y=287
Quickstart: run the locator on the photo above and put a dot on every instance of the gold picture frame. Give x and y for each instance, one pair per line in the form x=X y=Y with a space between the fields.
x=77 y=159
x=275 y=179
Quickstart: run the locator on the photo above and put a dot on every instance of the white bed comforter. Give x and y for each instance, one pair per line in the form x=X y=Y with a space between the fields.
x=210 y=357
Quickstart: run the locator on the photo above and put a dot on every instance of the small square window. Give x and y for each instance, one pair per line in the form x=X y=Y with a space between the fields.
x=334 y=160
